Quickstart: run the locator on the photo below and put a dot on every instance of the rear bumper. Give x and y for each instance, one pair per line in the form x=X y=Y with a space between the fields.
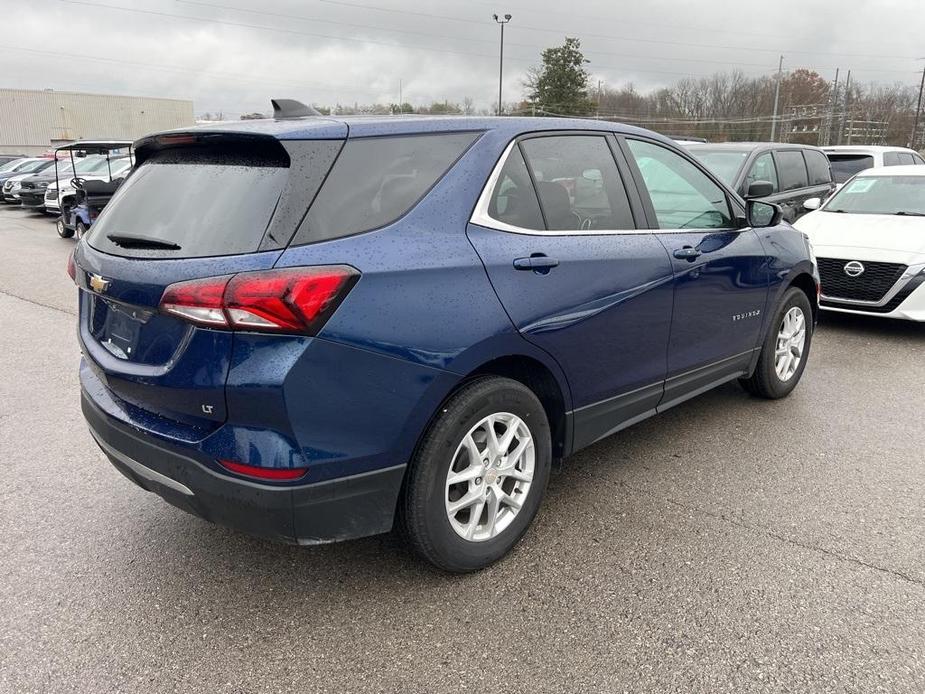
x=330 y=511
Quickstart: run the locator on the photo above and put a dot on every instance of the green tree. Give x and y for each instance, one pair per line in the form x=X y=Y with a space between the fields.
x=560 y=85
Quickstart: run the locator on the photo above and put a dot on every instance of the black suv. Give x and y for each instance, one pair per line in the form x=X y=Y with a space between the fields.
x=784 y=174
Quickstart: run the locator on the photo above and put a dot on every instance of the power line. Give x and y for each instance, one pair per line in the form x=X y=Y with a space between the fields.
x=365 y=40
x=235 y=76
x=534 y=47
x=610 y=37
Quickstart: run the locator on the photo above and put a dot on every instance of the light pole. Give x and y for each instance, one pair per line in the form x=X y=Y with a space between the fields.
x=502 y=22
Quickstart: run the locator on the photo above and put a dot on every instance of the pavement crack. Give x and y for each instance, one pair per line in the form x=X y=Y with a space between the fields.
x=764 y=530
x=37 y=303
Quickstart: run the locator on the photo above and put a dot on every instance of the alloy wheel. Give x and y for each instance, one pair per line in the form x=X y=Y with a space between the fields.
x=490 y=477
x=791 y=340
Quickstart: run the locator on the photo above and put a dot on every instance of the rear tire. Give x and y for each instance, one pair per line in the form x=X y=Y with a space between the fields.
x=63 y=231
x=502 y=475
x=785 y=349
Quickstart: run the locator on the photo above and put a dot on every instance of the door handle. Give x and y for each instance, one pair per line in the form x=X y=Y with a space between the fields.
x=538 y=262
x=687 y=253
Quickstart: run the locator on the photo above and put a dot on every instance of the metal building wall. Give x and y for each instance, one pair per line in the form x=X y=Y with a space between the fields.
x=31 y=121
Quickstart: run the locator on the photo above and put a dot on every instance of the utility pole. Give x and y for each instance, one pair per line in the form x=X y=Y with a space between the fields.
x=502 y=22
x=780 y=67
x=600 y=84
x=918 y=110
x=830 y=121
x=845 y=114
x=399 y=98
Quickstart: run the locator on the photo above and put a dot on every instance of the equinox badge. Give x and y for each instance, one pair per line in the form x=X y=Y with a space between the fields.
x=98 y=283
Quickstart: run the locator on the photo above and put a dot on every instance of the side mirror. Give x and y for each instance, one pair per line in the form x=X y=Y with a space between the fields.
x=812 y=204
x=763 y=214
x=759 y=189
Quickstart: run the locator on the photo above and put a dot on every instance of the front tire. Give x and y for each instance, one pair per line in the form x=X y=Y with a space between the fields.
x=478 y=476
x=63 y=231
x=785 y=349
x=79 y=230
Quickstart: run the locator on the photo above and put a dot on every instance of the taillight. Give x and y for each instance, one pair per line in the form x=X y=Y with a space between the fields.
x=264 y=473
x=292 y=300
x=71 y=266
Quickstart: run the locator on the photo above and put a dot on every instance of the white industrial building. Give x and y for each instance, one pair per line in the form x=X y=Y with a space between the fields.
x=32 y=121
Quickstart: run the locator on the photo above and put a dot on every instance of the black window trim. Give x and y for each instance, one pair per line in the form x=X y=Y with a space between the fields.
x=481 y=217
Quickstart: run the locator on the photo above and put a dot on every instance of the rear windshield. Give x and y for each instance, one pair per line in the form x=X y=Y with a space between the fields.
x=844 y=166
x=207 y=204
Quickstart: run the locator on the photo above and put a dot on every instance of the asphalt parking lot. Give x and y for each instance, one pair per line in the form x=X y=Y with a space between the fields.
x=730 y=545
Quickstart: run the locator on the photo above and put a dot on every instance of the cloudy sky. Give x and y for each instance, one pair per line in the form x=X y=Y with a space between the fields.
x=233 y=55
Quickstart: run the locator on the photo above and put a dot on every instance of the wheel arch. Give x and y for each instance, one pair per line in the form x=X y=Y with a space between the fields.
x=807 y=283
x=536 y=376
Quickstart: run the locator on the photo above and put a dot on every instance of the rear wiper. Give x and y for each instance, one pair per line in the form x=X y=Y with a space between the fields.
x=909 y=214
x=131 y=241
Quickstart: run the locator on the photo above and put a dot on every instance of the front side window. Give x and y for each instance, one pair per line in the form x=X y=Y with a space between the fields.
x=905 y=158
x=376 y=180
x=763 y=169
x=683 y=196
x=817 y=165
x=891 y=159
x=578 y=183
x=792 y=170
x=893 y=195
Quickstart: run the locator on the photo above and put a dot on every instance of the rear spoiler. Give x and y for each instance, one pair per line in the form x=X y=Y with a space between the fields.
x=259 y=145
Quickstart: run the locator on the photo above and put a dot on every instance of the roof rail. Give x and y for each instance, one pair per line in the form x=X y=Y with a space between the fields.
x=290 y=108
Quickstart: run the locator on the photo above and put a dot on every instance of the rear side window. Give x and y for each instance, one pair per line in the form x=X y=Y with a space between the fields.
x=844 y=166
x=578 y=183
x=376 y=180
x=917 y=160
x=891 y=159
x=817 y=164
x=205 y=202
x=792 y=170
x=513 y=201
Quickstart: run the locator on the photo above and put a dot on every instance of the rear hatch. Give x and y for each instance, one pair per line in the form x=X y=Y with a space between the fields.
x=197 y=206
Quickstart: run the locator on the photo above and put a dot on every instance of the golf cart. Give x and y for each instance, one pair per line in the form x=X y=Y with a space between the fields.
x=83 y=197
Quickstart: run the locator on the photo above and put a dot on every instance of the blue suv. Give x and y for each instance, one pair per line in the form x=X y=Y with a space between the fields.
x=313 y=329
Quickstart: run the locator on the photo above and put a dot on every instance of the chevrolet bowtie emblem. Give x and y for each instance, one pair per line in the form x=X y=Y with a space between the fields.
x=98 y=283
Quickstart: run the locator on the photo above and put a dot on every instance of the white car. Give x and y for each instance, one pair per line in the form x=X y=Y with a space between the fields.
x=96 y=170
x=869 y=240
x=847 y=160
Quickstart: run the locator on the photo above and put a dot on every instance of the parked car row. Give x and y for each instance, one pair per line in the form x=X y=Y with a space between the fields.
x=74 y=183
